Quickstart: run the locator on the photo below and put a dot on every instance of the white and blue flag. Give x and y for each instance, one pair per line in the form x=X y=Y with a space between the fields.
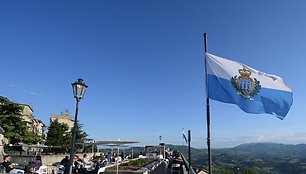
x=253 y=91
x=184 y=137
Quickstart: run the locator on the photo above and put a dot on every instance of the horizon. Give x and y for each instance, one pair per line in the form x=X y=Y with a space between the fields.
x=180 y=145
x=144 y=65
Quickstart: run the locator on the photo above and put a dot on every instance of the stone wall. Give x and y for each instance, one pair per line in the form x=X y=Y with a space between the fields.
x=46 y=159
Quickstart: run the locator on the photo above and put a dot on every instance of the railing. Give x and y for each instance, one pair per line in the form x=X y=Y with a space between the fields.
x=191 y=171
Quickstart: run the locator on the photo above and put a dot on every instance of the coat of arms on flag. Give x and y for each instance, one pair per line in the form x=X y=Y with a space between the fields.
x=245 y=85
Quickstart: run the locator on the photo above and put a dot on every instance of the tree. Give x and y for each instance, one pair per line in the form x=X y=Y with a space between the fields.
x=80 y=138
x=58 y=135
x=16 y=129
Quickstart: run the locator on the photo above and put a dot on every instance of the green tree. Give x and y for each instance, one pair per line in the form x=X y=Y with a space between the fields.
x=80 y=138
x=58 y=135
x=16 y=129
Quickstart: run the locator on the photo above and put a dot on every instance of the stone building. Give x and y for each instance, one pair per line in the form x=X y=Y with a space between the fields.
x=35 y=125
x=65 y=118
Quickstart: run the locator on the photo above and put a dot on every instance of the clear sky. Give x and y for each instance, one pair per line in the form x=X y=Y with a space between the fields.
x=144 y=64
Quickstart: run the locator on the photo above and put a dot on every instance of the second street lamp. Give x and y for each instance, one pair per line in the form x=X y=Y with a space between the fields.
x=79 y=89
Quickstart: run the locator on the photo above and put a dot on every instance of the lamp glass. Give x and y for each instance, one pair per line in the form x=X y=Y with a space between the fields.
x=79 y=89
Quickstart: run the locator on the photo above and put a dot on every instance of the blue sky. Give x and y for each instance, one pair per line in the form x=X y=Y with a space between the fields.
x=144 y=64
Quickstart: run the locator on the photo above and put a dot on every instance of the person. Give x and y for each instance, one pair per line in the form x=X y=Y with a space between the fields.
x=122 y=155
x=28 y=168
x=7 y=163
x=37 y=163
x=108 y=157
x=114 y=157
x=9 y=167
x=168 y=153
x=85 y=159
x=156 y=152
x=78 y=166
x=98 y=163
x=65 y=161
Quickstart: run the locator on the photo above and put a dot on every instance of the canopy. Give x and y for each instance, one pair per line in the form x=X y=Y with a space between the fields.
x=111 y=143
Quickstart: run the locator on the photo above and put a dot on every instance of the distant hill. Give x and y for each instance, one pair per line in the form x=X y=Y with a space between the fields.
x=273 y=149
x=261 y=158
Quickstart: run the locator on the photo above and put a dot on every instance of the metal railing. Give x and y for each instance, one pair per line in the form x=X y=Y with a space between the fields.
x=189 y=171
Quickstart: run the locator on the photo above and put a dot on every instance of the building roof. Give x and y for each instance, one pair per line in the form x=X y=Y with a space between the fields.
x=40 y=121
x=111 y=143
x=64 y=115
x=26 y=105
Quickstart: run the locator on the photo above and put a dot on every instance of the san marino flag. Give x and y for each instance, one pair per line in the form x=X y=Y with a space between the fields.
x=253 y=91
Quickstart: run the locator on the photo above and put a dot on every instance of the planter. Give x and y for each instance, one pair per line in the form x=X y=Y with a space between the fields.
x=139 y=166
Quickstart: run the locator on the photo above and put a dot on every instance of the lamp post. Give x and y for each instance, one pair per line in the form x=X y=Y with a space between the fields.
x=160 y=140
x=79 y=89
x=43 y=131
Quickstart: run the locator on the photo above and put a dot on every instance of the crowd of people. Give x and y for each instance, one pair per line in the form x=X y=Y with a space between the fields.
x=8 y=167
x=90 y=165
x=85 y=164
x=175 y=160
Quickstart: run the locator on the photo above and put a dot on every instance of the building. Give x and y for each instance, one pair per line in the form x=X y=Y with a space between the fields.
x=65 y=118
x=36 y=126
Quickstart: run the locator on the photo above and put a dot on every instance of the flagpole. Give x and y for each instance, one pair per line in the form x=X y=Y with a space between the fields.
x=207 y=110
x=189 y=151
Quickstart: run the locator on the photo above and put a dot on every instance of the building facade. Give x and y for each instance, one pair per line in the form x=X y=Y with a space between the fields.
x=35 y=125
x=26 y=112
x=65 y=118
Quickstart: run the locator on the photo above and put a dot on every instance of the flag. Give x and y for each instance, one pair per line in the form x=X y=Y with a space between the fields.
x=184 y=137
x=253 y=91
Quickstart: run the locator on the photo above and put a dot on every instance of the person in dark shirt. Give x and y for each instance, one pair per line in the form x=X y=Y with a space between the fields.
x=98 y=163
x=65 y=161
x=78 y=166
x=7 y=163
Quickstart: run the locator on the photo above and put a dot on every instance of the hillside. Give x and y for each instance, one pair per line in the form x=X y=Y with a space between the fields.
x=267 y=158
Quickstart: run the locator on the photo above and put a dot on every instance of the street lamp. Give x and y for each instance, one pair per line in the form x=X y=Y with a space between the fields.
x=79 y=89
x=44 y=128
x=160 y=140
